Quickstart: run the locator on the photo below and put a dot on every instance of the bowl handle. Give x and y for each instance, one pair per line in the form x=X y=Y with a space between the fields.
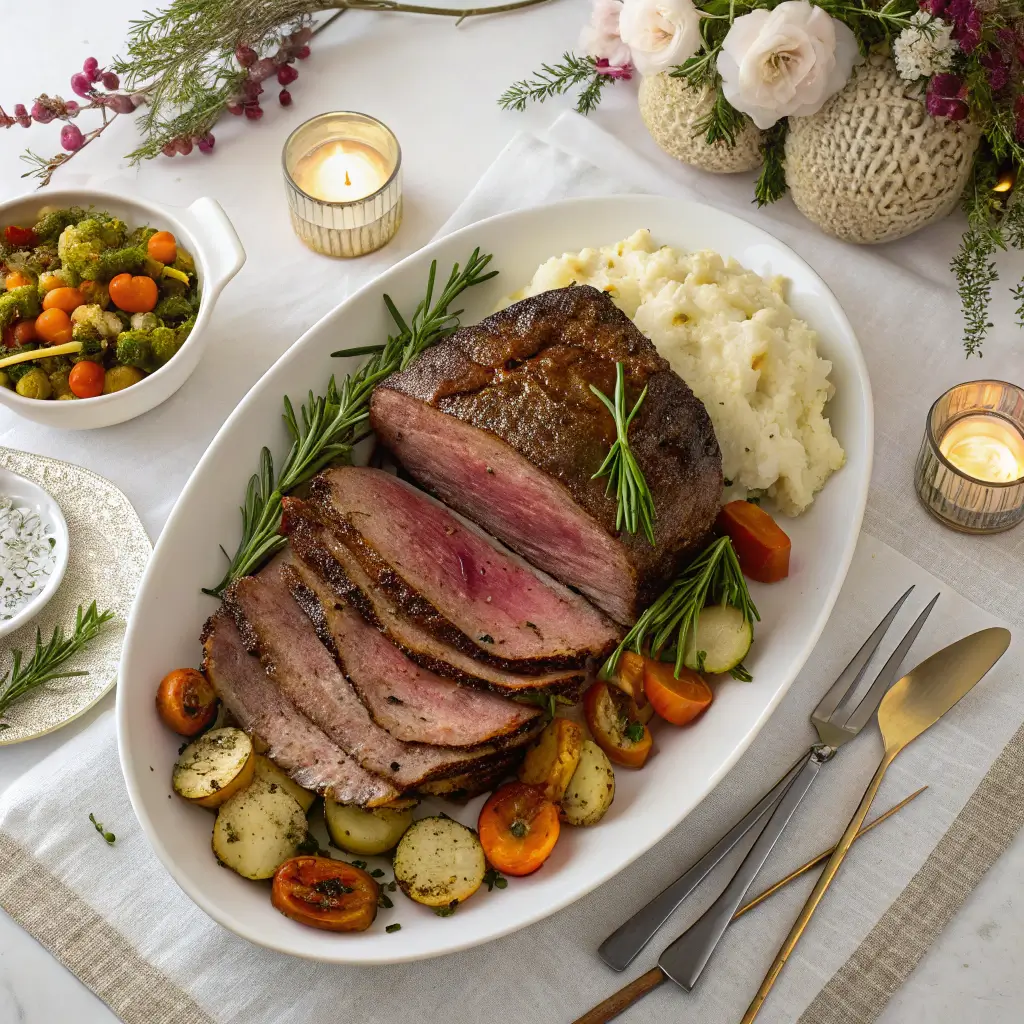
x=226 y=252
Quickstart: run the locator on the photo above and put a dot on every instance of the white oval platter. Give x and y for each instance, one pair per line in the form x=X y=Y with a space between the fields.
x=170 y=609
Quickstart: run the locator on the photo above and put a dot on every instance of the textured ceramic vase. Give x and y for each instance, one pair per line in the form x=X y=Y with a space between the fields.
x=872 y=165
x=670 y=109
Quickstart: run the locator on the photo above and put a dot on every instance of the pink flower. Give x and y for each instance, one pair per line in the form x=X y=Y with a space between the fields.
x=600 y=37
x=947 y=97
x=81 y=84
x=71 y=137
x=966 y=21
x=622 y=71
x=998 y=69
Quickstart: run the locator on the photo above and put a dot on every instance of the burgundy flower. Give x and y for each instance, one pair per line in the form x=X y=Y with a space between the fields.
x=206 y=143
x=22 y=116
x=947 y=97
x=246 y=56
x=286 y=74
x=934 y=7
x=966 y=21
x=998 y=69
x=42 y=113
x=71 y=137
x=81 y=85
x=284 y=97
x=622 y=71
x=91 y=67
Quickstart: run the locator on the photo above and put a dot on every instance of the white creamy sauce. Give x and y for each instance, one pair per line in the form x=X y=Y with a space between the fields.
x=27 y=557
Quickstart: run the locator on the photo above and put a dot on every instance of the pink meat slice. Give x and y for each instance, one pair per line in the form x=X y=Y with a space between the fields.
x=294 y=743
x=273 y=626
x=505 y=608
x=321 y=549
x=412 y=703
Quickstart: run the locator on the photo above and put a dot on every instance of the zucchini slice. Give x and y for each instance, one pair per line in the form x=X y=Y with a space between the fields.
x=439 y=862
x=723 y=638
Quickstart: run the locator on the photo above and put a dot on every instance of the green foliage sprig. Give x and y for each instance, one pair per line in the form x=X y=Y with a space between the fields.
x=625 y=477
x=330 y=425
x=555 y=79
x=45 y=664
x=713 y=577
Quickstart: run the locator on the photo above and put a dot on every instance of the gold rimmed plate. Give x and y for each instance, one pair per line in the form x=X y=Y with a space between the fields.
x=107 y=552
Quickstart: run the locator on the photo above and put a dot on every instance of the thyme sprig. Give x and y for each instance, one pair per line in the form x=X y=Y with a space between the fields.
x=713 y=577
x=555 y=79
x=330 y=425
x=625 y=477
x=45 y=664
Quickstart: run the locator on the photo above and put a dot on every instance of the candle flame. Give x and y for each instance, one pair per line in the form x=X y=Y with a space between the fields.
x=986 y=448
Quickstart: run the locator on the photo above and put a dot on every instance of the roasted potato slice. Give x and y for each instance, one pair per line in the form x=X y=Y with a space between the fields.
x=269 y=774
x=591 y=788
x=552 y=759
x=439 y=862
x=363 y=831
x=257 y=830
x=214 y=767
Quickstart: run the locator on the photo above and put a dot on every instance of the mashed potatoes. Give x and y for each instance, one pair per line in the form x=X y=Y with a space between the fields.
x=730 y=335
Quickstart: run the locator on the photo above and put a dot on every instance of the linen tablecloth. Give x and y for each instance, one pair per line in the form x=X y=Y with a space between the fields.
x=133 y=937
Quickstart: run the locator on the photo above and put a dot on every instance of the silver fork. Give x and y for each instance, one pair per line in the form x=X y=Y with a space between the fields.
x=684 y=960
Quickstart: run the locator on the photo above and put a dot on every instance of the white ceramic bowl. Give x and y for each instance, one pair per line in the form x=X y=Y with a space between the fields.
x=26 y=494
x=169 y=608
x=204 y=229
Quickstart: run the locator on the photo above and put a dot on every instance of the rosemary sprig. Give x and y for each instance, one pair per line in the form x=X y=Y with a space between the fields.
x=713 y=577
x=44 y=665
x=554 y=79
x=625 y=478
x=329 y=426
x=771 y=182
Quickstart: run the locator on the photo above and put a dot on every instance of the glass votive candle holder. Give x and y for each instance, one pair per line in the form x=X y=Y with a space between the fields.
x=343 y=174
x=970 y=471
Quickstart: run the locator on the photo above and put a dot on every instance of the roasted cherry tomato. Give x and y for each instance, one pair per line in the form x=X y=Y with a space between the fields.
x=20 y=238
x=185 y=700
x=24 y=332
x=16 y=279
x=615 y=724
x=761 y=545
x=325 y=893
x=629 y=676
x=86 y=379
x=162 y=247
x=68 y=299
x=133 y=294
x=53 y=326
x=676 y=700
x=518 y=828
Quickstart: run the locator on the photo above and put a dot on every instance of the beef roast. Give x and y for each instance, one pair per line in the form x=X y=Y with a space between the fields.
x=411 y=702
x=294 y=743
x=320 y=549
x=454 y=580
x=499 y=421
x=275 y=628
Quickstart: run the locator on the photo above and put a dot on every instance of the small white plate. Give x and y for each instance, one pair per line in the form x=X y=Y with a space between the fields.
x=26 y=494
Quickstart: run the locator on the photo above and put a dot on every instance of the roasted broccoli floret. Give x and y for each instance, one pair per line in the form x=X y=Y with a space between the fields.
x=140 y=236
x=52 y=223
x=18 y=370
x=173 y=307
x=60 y=385
x=145 y=321
x=165 y=343
x=135 y=348
x=87 y=250
x=94 y=347
x=105 y=322
x=184 y=261
x=54 y=364
x=18 y=304
x=185 y=330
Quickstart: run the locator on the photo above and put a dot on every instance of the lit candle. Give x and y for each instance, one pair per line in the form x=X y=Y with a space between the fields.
x=986 y=448
x=341 y=172
x=343 y=178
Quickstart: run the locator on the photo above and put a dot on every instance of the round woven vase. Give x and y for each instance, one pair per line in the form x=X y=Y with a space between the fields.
x=872 y=165
x=670 y=109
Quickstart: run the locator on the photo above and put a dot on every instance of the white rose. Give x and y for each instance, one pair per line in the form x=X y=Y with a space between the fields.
x=600 y=37
x=785 y=62
x=659 y=33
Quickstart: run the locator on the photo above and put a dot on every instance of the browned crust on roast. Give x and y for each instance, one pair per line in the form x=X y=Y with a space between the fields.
x=413 y=604
x=523 y=375
x=320 y=560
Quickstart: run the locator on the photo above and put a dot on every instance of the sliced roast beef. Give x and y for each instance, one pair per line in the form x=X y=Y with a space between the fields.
x=412 y=703
x=499 y=421
x=454 y=580
x=321 y=549
x=275 y=628
x=294 y=743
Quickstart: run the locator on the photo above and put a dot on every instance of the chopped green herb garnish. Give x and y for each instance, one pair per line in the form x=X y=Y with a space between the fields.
x=494 y=879
x=377 y=873
x=634 y=731
x=396 y=927
x=98 y=825
x=448 y=910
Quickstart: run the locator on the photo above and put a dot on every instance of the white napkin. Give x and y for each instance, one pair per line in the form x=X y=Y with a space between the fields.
x=549 y=972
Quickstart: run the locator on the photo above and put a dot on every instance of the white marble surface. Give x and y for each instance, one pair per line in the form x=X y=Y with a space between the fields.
x=436 y=86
